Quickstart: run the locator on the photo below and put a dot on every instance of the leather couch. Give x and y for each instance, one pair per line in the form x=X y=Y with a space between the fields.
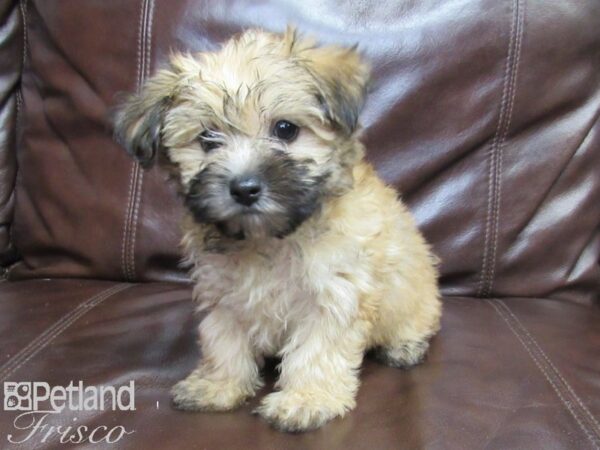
x=483 y=113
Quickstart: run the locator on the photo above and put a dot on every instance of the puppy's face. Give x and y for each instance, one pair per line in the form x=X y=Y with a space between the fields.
x=258 y=134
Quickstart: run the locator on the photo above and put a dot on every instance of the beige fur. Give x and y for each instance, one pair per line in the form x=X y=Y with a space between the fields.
x=355 y=275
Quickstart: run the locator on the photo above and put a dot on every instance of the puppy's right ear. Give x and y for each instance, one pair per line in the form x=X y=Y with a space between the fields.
x=138 y=122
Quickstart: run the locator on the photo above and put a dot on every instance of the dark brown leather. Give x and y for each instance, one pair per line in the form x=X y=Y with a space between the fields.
x=11 y=55
x=79 y=211
x=528 y=378
x=484 y=115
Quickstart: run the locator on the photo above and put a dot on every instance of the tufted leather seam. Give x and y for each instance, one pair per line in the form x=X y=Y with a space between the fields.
x=42 y=340
x=589 y=415
x=149 y=38
x=141 y=69
x=124 y=267
x=492 y=161
x=144 y=74
x=23 y=8
x=133 y=171
x=134 y=221
x=135 y=176
x=495 y=153
x=546 y=371
x=502 y=142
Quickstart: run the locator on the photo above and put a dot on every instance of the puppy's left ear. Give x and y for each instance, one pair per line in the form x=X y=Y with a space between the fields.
x=139 y=120
x=342 y=79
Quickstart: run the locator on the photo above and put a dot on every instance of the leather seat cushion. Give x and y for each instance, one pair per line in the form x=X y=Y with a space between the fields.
x=511 y=373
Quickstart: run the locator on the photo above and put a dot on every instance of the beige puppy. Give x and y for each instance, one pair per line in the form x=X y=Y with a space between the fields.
x=298 y=249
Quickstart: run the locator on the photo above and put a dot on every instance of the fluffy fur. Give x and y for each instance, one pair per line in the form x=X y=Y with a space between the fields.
x=327 y=264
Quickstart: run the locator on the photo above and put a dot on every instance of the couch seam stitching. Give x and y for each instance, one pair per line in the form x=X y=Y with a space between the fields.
x=141 y=68
x=132 y=171
x=492 y=158
x=545 y=373
x=128 y=267
x=64 y=325
x=149 y=38
x=43 y=339
x=48 y=330
x=148 y=21
x=23 y=8
x=591 y=417
x=124 y=239
x=502 y=142
x=134 y=220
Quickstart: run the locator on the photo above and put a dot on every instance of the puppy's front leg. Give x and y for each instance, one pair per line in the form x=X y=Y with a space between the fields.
x=227 y=374
x=319 y=375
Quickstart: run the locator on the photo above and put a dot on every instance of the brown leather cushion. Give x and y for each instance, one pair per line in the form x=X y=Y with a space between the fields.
x=484 y=114
x=527 y=378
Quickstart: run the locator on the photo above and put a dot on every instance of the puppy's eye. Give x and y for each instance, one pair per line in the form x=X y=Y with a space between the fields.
x=208 y=140
x=286 y=131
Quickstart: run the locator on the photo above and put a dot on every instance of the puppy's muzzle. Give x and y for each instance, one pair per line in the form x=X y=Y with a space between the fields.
x=246 y=190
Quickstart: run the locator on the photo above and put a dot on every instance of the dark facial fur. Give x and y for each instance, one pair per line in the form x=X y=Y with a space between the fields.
x=289 y=196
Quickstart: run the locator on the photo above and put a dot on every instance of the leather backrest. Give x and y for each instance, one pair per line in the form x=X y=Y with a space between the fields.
x=11 y=55
x=484 y=114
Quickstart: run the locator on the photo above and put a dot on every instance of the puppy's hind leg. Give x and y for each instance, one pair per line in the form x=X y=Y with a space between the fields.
x=405 y=329
x=402 y=353
x=227 y=374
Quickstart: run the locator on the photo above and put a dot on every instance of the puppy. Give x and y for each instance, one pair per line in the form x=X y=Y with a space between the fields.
x=297 y=248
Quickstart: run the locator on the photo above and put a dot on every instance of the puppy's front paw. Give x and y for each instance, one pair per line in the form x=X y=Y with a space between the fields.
x=296 y=411
x=200 y=394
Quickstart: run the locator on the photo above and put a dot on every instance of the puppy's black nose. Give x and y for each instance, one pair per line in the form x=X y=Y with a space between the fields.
x=246 y=190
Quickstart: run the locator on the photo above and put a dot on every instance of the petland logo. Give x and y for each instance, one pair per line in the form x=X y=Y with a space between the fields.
x=37 y=401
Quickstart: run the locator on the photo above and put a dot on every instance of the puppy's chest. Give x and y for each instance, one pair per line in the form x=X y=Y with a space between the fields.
x=265 y=285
